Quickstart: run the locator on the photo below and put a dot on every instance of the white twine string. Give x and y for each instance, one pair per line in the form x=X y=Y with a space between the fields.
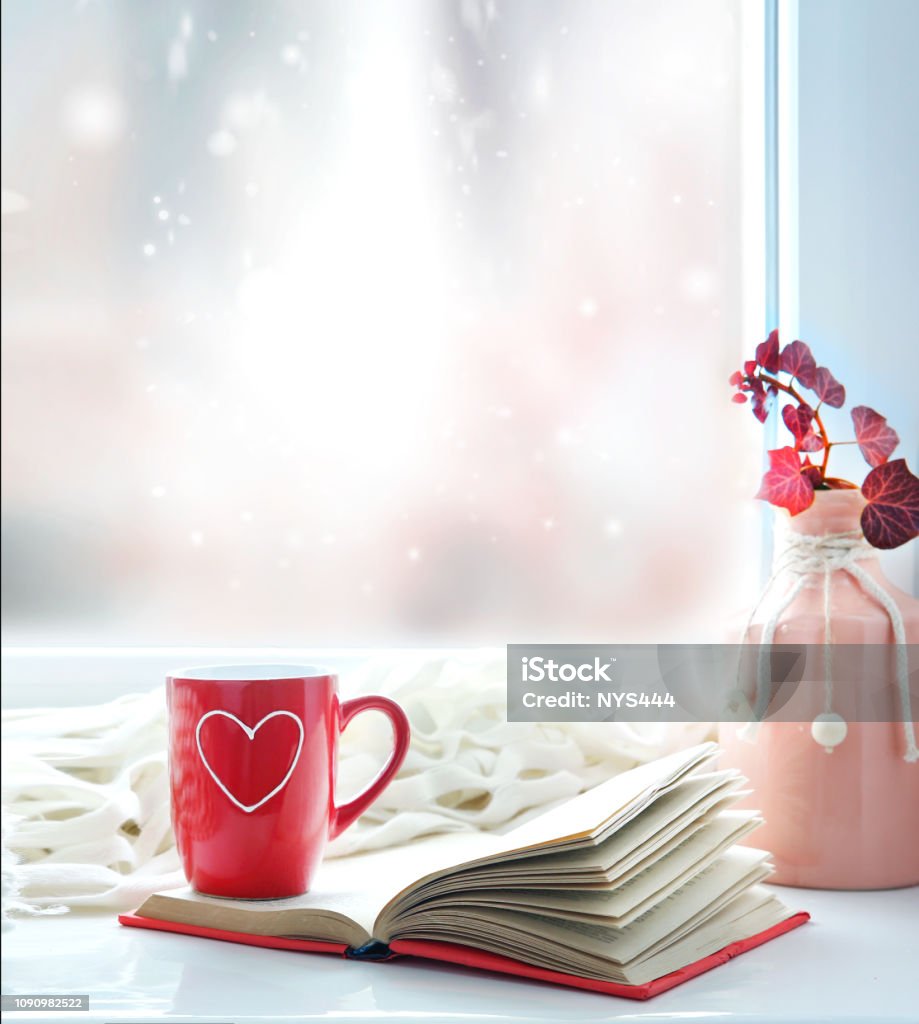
x=827 y=640
x=805 y=556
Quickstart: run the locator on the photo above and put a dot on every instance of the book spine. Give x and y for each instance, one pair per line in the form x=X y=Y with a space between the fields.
x=372 y=950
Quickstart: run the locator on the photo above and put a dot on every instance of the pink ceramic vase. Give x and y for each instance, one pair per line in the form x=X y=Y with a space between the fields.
x=848 y=819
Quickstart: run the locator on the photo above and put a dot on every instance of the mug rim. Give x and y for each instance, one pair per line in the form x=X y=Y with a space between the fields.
x=250 y=673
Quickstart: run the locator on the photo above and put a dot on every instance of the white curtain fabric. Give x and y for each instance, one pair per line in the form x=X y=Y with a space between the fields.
x=86 y=799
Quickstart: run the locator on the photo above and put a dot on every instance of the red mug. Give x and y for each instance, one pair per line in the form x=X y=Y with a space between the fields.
x=252 y=763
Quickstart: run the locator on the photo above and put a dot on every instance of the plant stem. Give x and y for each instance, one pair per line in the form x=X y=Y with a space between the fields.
x=791 y=392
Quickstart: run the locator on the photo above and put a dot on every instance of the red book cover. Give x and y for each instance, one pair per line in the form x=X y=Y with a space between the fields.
x=468 y=957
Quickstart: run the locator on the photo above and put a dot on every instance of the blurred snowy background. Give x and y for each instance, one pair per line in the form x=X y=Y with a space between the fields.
x=356 y=323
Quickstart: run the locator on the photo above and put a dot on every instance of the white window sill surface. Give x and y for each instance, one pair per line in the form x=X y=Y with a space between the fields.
x=64 y=676
x=855 y=962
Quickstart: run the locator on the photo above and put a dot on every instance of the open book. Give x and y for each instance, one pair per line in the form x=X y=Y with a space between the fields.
x=629 y=888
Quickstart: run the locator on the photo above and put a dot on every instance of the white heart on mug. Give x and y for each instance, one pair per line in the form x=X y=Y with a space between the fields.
x=250 y=733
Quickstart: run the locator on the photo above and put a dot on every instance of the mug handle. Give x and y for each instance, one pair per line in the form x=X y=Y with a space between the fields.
x=348 y=813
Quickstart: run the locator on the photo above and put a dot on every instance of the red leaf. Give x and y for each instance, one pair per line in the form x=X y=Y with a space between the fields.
x=736 y=379
x=767 y=353
x=763 y=399
x=785 y=484
x=739 y=398
x=799 y=362
x=828 y=388
x=799 y=420
x=891 y=517
x=811 y=472
x=875 y=439
x=749 y=367
x=836 y=483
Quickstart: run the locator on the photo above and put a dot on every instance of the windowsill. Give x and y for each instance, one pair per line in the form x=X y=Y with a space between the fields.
x=853 y=963
x=62 y=676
